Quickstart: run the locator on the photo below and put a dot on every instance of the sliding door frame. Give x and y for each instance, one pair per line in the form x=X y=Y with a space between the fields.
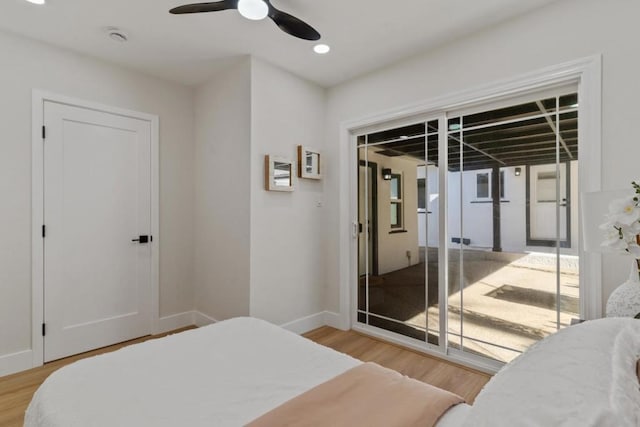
x=586 y=73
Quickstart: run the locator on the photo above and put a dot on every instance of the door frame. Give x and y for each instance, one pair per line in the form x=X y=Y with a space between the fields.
x=39 y=97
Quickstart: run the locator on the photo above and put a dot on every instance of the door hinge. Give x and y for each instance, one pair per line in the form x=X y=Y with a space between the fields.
x=44 y=231
x=44 y=329
x=44 y=132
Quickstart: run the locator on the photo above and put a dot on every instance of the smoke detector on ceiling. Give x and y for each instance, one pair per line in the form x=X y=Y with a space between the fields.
x=117 y=34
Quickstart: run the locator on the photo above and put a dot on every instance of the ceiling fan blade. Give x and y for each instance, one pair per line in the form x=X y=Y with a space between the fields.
x=205 y=7
x=292 y=25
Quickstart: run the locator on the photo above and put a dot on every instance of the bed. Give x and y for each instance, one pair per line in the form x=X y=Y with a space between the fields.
x=236 y=371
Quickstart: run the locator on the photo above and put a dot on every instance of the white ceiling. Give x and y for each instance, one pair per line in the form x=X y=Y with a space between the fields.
x=364 y=34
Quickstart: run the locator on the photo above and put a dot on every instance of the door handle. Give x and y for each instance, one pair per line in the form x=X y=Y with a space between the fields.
x=143 y=239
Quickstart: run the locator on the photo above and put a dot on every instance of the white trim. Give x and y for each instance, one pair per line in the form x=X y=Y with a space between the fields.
x=315 y=321
x=305 y=324
x=587 y=72
x=15 y=362
x=155 y=221
x=519 y=85
x=481 y=364
x=37 y=206
x=590 y=179
x=37 y=219
x=348 y=237
x=200 y=319
x=333 y=320
x=174 y=321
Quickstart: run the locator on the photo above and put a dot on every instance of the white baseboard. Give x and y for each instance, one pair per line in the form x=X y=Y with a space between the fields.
x=173 y=322
x=306 y=324
x=201 y=319
x=182 y=320
x=16 y=362
x=334 y=320
x=299 y=326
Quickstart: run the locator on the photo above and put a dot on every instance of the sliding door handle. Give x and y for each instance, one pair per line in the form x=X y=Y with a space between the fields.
x=143 y=239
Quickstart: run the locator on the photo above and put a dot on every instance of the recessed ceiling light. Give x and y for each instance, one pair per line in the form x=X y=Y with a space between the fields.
x=36 y=1
x=321 y=49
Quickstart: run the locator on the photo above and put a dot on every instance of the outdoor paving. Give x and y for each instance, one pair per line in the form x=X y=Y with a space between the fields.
x=509 y=299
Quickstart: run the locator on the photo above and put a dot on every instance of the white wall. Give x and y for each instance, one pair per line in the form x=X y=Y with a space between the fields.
x=222 y=202
x=257 y=253
x=25 y=65
x=393 y=247
x=513 y=229
x=478 y=214
x=287 y=229
x=478 y=217
x=560 y=32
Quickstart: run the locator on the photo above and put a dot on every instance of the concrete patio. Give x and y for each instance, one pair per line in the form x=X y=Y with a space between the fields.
x=508 y=299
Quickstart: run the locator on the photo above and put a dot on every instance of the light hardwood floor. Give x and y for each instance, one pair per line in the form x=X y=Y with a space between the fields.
x=16 y=390
x=460 y=380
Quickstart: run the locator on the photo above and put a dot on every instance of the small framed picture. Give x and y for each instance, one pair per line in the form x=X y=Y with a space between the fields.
x=278 y=174
x=309 y=162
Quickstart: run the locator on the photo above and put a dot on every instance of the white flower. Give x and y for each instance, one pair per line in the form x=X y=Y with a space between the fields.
x=622 y=226
x=634 y=250
x=616 y=243
x=624 y=211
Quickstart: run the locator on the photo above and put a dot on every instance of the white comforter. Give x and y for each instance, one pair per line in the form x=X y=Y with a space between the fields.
x=225 y=374
x=583 y=376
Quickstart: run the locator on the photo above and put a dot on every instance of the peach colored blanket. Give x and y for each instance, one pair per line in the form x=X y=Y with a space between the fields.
x=367 y=395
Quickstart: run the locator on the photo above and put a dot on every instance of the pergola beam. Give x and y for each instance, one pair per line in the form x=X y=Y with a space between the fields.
x=554 y=128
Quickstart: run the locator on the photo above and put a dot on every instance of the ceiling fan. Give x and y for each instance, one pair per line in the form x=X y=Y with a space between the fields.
x=255 y=10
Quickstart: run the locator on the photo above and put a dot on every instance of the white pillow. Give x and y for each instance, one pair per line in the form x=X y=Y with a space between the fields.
x=582 y=376
x=625 y=388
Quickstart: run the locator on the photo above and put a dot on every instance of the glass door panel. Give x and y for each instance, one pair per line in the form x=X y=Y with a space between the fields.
x=396 y=196
x=512 y=226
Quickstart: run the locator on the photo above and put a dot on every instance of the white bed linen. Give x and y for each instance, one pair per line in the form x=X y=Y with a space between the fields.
x=455 y=416
x=225 y=374
x=582 y=376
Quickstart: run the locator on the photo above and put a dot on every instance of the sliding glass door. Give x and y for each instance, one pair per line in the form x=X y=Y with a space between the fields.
x=467 y=230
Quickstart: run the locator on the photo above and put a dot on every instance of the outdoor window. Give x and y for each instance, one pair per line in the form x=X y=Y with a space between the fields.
x=421 y=193
x=546 y=188
x=395 y=194
x=483 y=185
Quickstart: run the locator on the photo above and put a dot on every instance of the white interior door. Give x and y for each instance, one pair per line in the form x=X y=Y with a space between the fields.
x=97 y=199
x=543 y=199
